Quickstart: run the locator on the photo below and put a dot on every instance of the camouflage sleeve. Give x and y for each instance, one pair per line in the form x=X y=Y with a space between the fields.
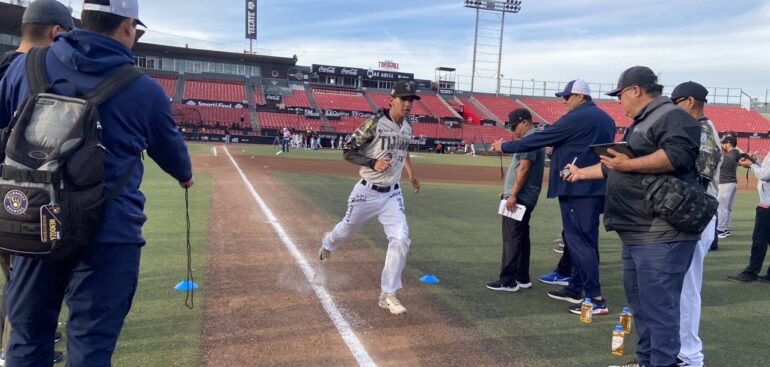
x=356 y=143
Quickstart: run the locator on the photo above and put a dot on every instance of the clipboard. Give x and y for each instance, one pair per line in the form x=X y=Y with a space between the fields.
x=620 y=147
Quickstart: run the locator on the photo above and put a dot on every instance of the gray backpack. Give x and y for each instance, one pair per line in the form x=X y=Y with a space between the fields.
x=52 y=170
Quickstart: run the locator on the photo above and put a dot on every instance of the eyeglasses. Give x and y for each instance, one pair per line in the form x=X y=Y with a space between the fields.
x=566 y=98
x=620 y=95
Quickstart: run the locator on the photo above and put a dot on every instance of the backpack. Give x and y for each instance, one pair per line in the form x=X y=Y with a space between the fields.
x=710 y=153
x=52 y=166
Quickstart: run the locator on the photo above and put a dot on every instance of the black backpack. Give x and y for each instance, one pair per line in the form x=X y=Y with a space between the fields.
x=52 y=166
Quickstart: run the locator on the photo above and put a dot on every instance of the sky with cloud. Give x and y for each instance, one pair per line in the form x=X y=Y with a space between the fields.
x=717 y=43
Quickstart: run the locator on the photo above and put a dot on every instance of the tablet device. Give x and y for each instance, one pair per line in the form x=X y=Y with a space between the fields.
x=620 y=147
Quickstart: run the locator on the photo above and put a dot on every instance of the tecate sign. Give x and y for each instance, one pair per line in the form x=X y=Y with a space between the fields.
x=251 y=19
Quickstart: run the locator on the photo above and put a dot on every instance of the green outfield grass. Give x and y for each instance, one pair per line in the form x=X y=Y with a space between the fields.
x=455 y=234
x=417 y=158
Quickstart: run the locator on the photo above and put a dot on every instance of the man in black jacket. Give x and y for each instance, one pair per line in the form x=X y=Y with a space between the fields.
x=656 y=256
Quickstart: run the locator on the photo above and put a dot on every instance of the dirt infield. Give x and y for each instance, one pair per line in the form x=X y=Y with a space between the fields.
x=261 y=311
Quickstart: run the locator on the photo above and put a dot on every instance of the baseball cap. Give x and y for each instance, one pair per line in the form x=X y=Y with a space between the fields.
x=123 y=8
x=576 y=86
x=517 y=116
x=690 y=89
x=636 y=75
x=48 y=12
x=404 y=89
x=729 y=139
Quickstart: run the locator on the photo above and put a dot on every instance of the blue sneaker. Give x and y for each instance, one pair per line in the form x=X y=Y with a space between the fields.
x=554 y=278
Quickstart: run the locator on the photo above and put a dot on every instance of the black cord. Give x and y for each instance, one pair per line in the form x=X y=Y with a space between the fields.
x=502 y=176
x=189 y=299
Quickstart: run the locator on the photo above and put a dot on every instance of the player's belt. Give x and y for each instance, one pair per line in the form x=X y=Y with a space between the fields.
x=379 y=188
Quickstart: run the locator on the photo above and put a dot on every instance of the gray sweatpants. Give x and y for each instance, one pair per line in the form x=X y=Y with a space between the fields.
x=725 y=211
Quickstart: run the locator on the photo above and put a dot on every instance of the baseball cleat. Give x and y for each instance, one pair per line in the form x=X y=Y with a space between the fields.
x=324 y=254
x=389 y=301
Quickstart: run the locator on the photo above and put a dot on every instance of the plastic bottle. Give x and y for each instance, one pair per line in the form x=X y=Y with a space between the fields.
x=617 y=341
x=586 y=311
x=626 y=320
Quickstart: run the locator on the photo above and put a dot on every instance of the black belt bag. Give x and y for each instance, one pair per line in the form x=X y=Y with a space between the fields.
x=683 y=205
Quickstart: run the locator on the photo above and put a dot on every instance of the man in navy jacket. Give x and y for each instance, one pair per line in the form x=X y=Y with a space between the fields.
x=581 y=203
x=98 y=284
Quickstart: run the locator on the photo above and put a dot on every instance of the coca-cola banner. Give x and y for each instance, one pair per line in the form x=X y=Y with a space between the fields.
x=359 y=72
x=251 y=19
x=273 y=98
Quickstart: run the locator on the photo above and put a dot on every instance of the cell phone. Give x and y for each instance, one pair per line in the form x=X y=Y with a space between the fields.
x=620 y=147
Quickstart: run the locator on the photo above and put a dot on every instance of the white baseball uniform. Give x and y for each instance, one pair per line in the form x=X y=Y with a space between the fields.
x=378 y=193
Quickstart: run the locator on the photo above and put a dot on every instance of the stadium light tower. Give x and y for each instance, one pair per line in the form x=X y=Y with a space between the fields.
x=497 y=10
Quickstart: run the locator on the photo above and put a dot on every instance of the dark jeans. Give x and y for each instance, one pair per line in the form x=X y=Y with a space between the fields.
x=580 y=217
x=652 y=277
x=98 y=288
x=759 y=242
x=516 y=249
x=285 y=145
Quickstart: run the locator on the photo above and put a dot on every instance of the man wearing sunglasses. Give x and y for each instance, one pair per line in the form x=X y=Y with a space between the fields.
x=691 y=97
x=655 y=255
x=99 y=282
x=380 y=146
x=581 y=203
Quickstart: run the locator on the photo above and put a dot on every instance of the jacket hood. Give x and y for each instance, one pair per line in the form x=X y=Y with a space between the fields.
x=90 y=52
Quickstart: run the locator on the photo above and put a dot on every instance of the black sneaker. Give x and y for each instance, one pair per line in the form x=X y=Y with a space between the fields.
x=723 y=234
x=600 y=307
x=742 y=278
x=57 y=337
x=764 y=279
x=498 y=285
x=565 y=294
x=58 y=356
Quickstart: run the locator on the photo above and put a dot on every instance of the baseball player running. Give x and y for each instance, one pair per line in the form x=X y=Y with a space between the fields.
x=379 y=146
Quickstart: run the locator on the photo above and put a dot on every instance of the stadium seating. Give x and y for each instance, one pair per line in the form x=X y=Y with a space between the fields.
x=167 y=82
x=431 y=130
x=270 y=120
x=434 y=106
x=761 y=146
x=342 y=101
x=473 y=109
x=550 y=109
x=346 y=124
x=215 y=90
x=499 y=106
x=737 y=119
x=382 y=100
x=298 y=98
x=483 y=134
x=213 y=116
x=259 y=95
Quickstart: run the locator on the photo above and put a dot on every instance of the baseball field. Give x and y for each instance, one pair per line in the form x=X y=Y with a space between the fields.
x=257 y=219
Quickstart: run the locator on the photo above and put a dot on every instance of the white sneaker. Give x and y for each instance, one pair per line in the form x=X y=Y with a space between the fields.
x=524 y=285
x=389 y=301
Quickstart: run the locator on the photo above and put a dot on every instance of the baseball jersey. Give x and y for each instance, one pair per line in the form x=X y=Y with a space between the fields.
x=375 y=139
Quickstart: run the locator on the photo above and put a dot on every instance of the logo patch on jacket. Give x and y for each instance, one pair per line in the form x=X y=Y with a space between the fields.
x=15 y=202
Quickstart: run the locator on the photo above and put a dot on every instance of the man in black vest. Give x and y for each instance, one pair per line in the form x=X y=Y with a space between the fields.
x=656 y=256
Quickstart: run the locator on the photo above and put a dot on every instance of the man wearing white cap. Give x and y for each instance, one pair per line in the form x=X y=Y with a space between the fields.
x=98 y=282
x=581 y=203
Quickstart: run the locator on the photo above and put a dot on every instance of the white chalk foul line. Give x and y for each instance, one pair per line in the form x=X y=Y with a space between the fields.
x=327 y=302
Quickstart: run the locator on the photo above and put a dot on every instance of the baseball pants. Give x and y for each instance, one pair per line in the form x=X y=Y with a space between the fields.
x=725 y=212
x=364 y=203
x=691 y=350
